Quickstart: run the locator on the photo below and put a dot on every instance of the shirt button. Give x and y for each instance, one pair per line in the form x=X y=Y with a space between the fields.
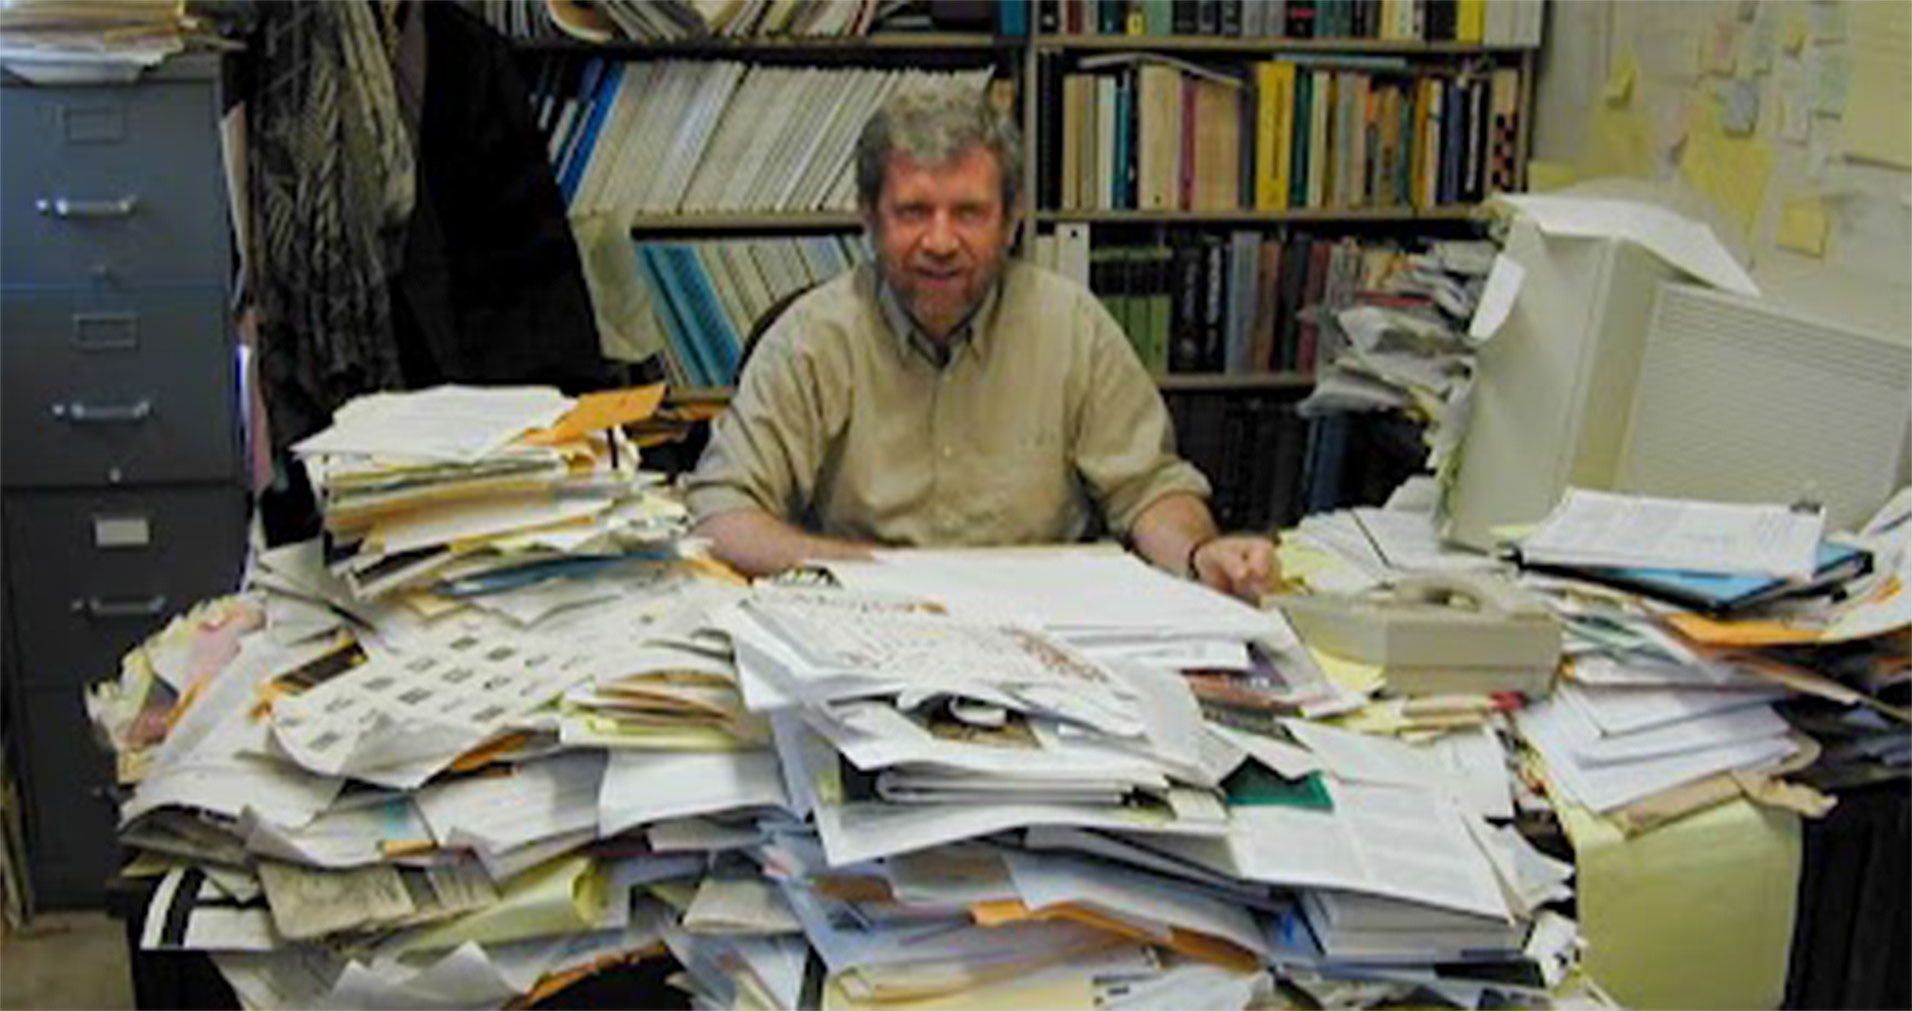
x=948 y=452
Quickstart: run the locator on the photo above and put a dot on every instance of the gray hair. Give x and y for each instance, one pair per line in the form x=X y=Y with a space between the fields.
x=932 y=123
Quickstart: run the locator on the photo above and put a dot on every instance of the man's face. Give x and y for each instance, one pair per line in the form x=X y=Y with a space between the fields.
x=941 y=234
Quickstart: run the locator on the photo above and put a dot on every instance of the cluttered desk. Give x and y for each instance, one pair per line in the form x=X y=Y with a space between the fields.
x=504 y=735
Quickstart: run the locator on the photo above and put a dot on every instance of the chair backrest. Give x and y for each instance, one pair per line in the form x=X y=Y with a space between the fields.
x=765 y=321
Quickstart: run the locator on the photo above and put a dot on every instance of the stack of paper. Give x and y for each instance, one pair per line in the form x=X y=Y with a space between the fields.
x=873 y=797
x=1395 y=336
x=468 y=490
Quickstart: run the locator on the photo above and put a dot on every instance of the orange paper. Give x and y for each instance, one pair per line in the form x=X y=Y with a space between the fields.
x=596 y=412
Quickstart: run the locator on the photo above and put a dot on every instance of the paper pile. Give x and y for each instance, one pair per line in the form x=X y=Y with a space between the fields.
x=1398 y=339
x=982 y=779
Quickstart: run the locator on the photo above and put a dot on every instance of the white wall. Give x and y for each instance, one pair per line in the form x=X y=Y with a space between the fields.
x=1640 y=88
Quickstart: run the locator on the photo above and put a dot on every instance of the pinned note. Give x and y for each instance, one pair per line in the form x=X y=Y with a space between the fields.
x=1831 y=77
x=1721 y=46
x=1794 y=38
x=1765 y=40
x=1739 y=107
x=1802 y=226
x=1619 y=88
x=1733 y=171
x=1881 y=86
x=1828 y=22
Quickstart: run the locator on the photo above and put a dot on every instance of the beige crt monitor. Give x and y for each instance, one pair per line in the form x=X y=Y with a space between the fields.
x=1742 y=400
x=1554 y=386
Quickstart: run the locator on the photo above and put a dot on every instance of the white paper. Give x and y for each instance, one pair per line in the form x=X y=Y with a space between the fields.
x=1682 y=242
x=532 y=801
x=340 y=837
x=441 y=423
x=1557 y=729
x=1497 y=299
x=642 y=787
x=1290 y=761
x=400 y=717
x=189 y=913
x=1607 y=529
x=1068 y=591
x=1134 y=896
x=1398 y=841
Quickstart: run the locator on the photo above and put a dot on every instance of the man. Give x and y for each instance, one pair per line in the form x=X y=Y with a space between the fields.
x=948 y=396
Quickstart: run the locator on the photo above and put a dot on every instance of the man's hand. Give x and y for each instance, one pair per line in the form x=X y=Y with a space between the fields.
x=1241 y=565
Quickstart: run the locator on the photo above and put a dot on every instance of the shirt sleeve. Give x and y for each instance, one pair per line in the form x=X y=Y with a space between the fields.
x=1124 y=439
x=766 y=449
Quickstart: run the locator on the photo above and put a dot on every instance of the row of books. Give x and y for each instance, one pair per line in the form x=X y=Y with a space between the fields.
x=705 y=297
x=686 y=136
x=607 y=21
x=1239 y=303
x=1482 y=22
x=1255 y=451
x=1161 y=135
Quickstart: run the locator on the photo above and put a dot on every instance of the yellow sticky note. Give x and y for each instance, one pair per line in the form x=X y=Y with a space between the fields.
x=1795 y=37
x=1617 y=143
x=1545 y=176
x=1732 y=171
x=1802 y=226
x=1619 y=89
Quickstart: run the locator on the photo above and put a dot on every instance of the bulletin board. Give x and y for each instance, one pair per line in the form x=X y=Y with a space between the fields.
x=1789 y=121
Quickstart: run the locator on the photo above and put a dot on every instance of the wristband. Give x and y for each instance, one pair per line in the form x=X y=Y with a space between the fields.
x=1194 y=549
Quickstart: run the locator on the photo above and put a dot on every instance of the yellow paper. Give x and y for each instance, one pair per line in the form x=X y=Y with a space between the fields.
x=596 y=412
x=1732 y=171
x=1696 y=914
x=1617 y=143
x=1361 y=678
x=1795 y=37
x=1545 y=176
x=1062 y=993
x=562 y=896
x=1802 y=226
x=1619 y=89
x=1880 y=89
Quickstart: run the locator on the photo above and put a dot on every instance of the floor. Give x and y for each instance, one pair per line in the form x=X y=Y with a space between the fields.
x=66 y=960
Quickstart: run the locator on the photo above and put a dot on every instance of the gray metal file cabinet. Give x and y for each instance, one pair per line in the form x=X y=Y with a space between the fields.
x=120 y=494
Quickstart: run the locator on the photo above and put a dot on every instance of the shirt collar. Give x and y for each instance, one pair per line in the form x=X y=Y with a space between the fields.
x=914 y=338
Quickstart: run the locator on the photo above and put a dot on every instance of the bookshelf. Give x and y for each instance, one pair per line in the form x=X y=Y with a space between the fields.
x=751 y=248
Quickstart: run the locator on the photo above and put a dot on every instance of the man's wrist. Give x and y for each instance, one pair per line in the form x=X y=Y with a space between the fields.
x=1195 y=548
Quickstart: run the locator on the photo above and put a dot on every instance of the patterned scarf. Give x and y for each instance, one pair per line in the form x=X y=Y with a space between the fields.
x=333 y=184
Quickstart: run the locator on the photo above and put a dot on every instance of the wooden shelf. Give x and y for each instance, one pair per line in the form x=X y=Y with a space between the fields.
x=1249 y=216
x=840 y=45
x=1262 y=44
x=771 y=221
x=1192 y=382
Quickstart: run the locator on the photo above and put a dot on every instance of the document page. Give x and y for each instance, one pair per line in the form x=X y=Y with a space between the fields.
x=1604 y=529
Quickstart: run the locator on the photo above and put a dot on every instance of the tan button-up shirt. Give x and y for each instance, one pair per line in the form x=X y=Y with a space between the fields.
x=846 y=423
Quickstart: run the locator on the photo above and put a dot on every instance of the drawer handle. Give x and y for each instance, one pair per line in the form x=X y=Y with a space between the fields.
x=104 y=414
x=67 y=207
x=98 y=607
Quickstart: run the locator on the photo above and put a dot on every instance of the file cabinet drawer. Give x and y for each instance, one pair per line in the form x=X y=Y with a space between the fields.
x=114 y=185
x=71 y=835
x=92 y=573
x=117 y=388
